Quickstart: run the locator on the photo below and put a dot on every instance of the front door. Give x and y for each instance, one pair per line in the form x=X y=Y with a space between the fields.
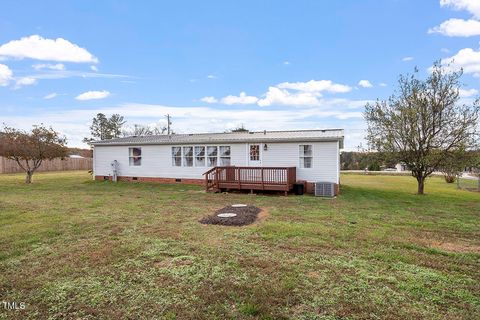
x=254 y=155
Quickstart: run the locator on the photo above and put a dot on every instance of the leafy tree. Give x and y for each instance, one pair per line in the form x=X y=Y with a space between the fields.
x=104 y=128
x=30 y=149
x=115 y=124
x=454 y=163
x=422 y=122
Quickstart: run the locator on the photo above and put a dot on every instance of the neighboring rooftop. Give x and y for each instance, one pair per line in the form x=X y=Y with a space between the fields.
x=230 y=137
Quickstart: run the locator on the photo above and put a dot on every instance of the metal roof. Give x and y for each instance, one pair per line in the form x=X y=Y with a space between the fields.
x=230 y=137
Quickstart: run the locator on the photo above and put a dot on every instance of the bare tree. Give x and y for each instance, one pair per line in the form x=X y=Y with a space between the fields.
x=29 y=149
x=144 y=130
x=422 y=122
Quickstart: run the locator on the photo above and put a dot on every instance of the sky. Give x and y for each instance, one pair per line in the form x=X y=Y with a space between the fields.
x=217 y=65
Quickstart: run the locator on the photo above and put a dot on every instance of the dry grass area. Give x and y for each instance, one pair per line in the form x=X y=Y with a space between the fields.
x=79 y=249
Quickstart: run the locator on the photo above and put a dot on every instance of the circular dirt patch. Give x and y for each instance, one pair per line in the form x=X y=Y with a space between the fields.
x=243 y=216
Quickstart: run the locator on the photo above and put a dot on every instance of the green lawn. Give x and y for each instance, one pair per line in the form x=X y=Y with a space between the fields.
x=75 y=248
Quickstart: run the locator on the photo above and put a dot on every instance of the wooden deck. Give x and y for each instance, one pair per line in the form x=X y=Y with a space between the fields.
x=250 y=178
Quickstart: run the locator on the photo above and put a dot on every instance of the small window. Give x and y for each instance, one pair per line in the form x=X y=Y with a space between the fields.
x=212 y=152
x=188 y=156
x=199 y=156
x=135 y=156
x=306 y=156
x=254 y=152
x=224 y=155
x=177 y=156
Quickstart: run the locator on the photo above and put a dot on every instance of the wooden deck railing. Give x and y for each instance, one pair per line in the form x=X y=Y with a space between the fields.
x=250 y=178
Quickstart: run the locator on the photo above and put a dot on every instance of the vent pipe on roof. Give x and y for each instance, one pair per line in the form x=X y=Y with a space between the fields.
x=264 y=131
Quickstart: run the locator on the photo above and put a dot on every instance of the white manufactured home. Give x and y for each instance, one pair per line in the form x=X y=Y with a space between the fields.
x=266 y=160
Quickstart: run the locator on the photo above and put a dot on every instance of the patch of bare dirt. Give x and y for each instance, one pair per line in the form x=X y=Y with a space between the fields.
x=263 y=215
x=244 y=216
x=456 y=247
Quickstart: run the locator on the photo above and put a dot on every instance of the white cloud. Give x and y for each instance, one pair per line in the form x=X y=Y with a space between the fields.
x=211 y=76
x=382 y=84
x=5 y=75
x=93 y=95
x=287 y=93
x=315 y=86
x=278 y=96
x=51 y=96
x=458 y=28
x=466 y=58
x=25 y=81
x=365 y=84
x=445 y=50
x=36 y=47
x=209 y=99
x=240 y=99
x=466 y=93
x=472 y=6
x=40 y=66
x=286 y=63
x=63 y=74
x=405 y=59
x=94 y=68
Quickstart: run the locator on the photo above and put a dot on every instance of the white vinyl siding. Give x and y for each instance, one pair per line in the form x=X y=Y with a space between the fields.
x=157 y=160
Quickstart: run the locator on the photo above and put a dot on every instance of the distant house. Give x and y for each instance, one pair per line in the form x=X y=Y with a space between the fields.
x=246 y=160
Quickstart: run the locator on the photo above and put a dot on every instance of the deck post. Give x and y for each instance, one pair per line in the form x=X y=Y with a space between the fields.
x=263 y=182
x=239 y=179
x=216 y=178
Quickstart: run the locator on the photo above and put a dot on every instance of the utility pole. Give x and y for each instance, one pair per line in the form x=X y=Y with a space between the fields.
x=168 y=124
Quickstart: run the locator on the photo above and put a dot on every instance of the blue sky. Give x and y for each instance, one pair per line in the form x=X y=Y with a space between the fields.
x=214 y=65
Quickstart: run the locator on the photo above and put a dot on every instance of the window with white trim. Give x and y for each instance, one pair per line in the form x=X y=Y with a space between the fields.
x=254 y=152
x=199 y=156
x=135 y=156
x=212 y=153
x=224 y=155
x=306 y=155
x=188 y=156
x=177 y=156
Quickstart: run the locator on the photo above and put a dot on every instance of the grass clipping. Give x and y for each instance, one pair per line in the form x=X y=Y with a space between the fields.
x=244 y=216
